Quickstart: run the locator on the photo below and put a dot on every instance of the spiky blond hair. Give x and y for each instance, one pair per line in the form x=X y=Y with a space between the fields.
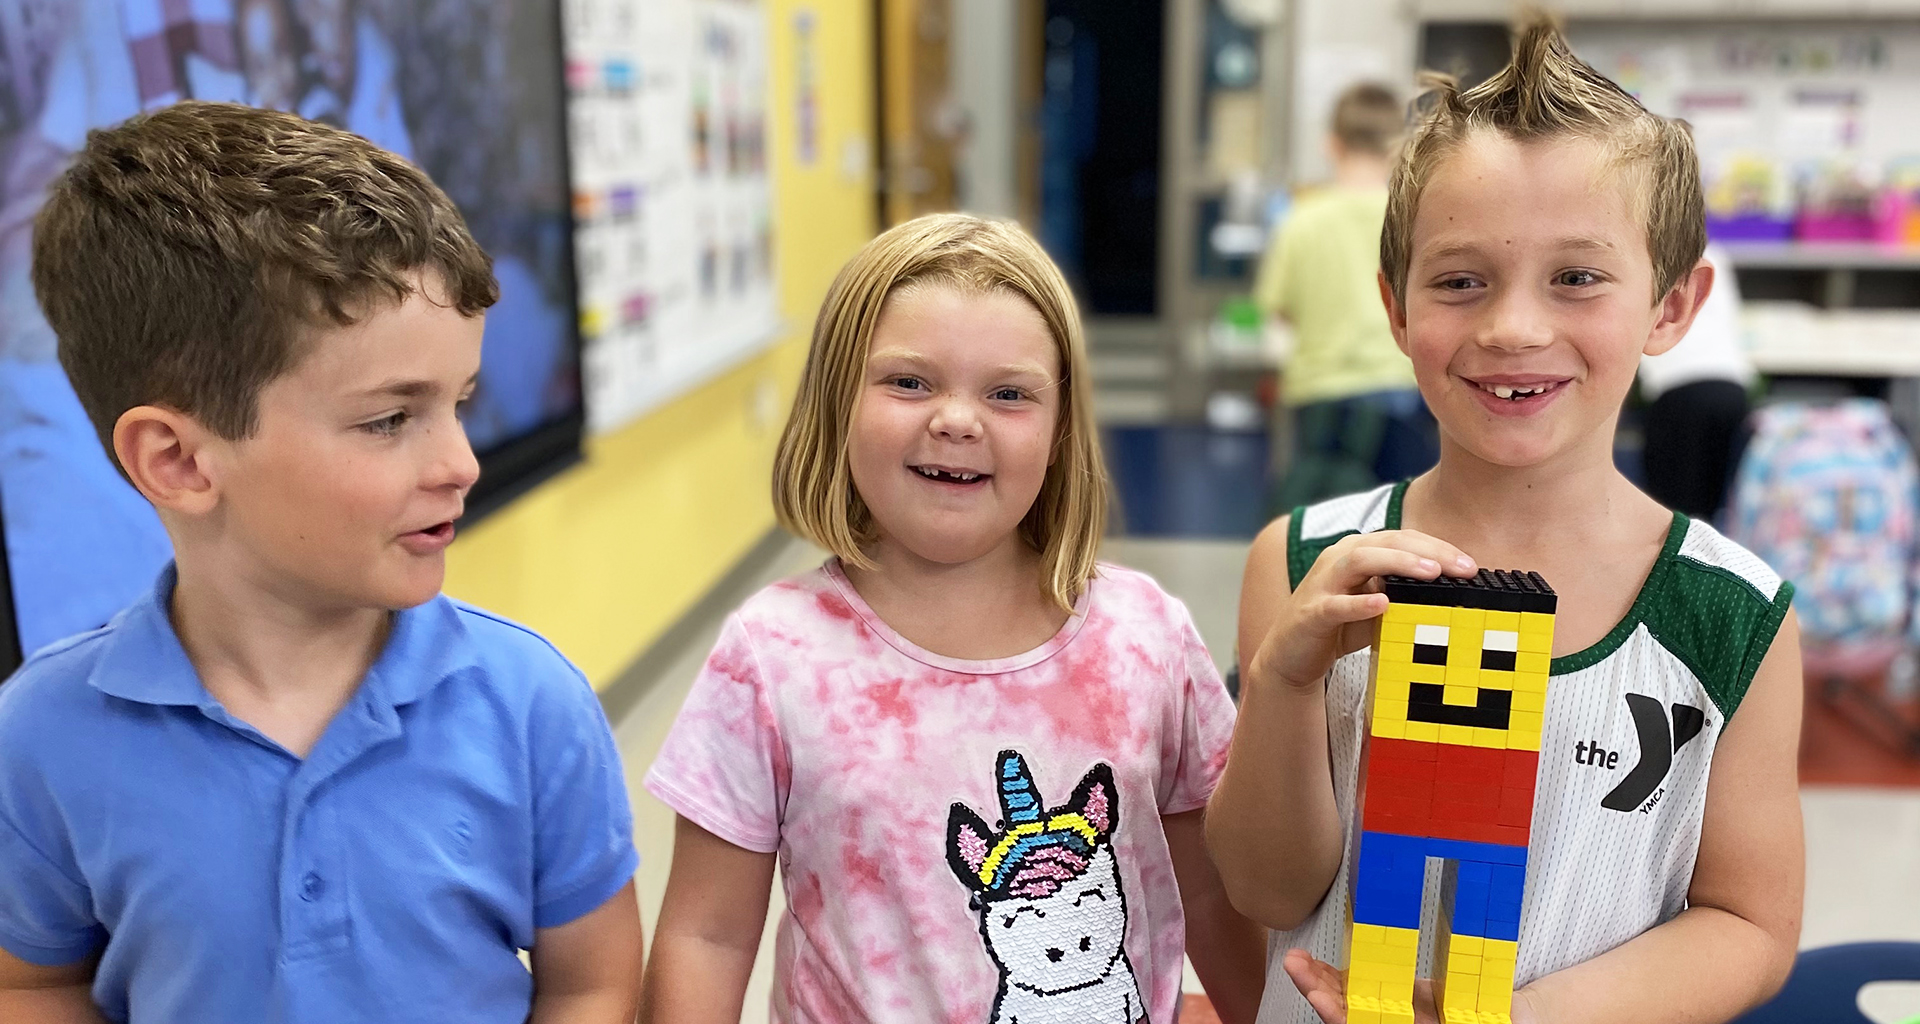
x=1543 y=94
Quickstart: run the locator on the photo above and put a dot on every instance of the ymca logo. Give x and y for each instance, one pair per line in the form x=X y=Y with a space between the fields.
x=1659 y=741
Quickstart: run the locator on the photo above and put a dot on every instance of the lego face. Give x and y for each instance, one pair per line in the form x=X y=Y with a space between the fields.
x=1465 y=676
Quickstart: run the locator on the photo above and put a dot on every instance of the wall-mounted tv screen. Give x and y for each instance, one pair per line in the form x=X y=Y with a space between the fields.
x=471 y=90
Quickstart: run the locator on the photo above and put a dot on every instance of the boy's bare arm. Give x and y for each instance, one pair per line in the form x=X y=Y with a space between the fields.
x=1229 y=952
x=47 y=995
x=710 y=927
x=587 y=971
x=1272 y=826
x=1734 y=944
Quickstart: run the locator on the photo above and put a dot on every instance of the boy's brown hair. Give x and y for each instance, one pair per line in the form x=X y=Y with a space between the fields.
x=1547 y=93
x=1368 y=118
x=813 y=492
x=183 y=258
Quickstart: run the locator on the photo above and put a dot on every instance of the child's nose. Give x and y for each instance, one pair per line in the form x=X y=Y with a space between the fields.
x=1517 y=322
x=956 y=419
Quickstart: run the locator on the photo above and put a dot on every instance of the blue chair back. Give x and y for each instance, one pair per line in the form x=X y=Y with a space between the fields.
x=1825 y=985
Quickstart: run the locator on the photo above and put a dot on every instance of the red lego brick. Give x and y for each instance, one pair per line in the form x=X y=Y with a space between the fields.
x=1511 y=836
x=1398 y=769
x=1521 y=768
x=1453 y=810
x=1516 y=808
x=1411 y=789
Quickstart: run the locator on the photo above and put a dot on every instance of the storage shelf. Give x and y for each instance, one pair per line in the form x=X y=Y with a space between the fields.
x=1822 y=256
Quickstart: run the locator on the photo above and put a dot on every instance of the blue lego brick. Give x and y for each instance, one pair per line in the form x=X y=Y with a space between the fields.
x=1483 y=853
x=1506 y=930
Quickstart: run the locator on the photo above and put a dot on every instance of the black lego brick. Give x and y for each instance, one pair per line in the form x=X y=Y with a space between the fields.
x=1496 y=590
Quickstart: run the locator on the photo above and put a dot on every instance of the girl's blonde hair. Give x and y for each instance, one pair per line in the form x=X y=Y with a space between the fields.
x=813 y=492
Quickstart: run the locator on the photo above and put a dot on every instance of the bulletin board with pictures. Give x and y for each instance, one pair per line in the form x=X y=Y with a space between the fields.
x=672 y=199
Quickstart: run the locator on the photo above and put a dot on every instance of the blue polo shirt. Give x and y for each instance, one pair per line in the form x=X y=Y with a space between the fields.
x=468 y=794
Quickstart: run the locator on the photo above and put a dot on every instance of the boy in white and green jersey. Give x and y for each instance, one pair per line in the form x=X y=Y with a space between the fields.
x=1543 y=232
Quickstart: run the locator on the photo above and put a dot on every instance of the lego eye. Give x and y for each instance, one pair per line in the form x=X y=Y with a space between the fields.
x=1430 y=645
x=1498 y=649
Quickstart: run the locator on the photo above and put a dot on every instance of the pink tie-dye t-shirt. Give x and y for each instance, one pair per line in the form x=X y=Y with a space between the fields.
x=961 y=842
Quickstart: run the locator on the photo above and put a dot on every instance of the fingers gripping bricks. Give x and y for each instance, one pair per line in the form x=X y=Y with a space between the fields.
x=1453 y=743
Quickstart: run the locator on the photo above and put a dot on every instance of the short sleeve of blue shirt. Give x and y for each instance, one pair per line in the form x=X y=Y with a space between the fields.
x=583 y=825
x=46 y=915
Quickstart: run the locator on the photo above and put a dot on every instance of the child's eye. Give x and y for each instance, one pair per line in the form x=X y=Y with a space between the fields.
x=386 y=426
x=1458 y=284
x=1009 y=395
x=910 y=383
x=1577 y=278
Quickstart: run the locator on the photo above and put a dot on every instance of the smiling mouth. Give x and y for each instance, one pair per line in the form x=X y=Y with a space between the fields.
x=1519 y=392
x=951 y=476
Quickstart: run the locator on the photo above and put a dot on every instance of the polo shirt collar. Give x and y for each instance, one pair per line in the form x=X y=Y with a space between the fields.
x=144 y=662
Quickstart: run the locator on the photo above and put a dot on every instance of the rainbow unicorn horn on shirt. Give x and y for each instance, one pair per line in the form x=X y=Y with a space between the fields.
x=1047 y=889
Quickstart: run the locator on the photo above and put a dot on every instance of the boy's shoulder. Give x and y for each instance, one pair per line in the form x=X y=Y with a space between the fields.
x=1314 y=528
x=52 y=688
x=1707 y=558
x=508 y=654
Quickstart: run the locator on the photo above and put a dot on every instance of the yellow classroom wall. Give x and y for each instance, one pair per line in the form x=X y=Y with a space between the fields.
x=605 y=557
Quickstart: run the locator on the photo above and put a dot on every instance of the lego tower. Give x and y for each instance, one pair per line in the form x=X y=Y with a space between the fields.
x=1453 y=743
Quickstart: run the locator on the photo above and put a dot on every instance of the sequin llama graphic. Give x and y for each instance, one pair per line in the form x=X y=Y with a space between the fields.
x=1048 y=893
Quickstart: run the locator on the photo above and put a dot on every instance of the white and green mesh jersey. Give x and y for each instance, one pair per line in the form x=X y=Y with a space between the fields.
x=1631 y=726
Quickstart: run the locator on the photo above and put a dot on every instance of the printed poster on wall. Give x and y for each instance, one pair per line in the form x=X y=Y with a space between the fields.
x=672 y=196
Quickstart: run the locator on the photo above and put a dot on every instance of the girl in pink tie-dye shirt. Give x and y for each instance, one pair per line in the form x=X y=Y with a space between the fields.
x=978 y=755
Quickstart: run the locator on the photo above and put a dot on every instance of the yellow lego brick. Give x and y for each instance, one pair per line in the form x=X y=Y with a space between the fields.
x=1509 y=621
x=1494 y=679
x=1472 y=945
x=1369 y=934
x=1495 y=995
x=1473 y=621
x=1518 y=740
x=1409 y=937
x=1395 y=631
x=1364 y=1010
x=1460 y=1016
x=1424 y=732
x=1490 y=739
x=1405 y=957
x=1467 y=1002
x=1493 y=1017
x=1395 y=652
x=1389 y=709
x=1394 y=687
x=1436 y=674
x=1536 y=622
x=1530 y=721
x=1461 y=696
x=1535 y=662
x=1505 y=950
x=1462 y=963
x=1529 y=700
x=1458 y=735
x=1400 y=989
x=1390 y=730
x=1396 y=1011
x=1360 y=972
x=1421 y=614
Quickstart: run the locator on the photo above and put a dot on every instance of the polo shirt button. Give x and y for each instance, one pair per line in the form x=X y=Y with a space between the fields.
x=312 y=886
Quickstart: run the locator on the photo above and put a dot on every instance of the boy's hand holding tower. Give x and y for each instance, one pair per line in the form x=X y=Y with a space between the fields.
x=1453 y=744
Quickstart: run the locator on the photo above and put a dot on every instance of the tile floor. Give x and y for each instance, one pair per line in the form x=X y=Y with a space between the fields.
x=1863 y=842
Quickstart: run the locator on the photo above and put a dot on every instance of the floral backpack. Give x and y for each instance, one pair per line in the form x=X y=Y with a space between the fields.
x=1827 y=494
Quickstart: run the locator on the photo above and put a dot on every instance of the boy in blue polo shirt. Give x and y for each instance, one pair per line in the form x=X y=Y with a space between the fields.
x=295 y=783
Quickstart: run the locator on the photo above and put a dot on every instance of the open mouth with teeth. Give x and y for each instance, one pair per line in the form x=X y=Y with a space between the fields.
x=951 y=476
x=1520 y=392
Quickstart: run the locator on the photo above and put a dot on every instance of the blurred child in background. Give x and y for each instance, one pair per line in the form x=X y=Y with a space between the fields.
x=1356 y=417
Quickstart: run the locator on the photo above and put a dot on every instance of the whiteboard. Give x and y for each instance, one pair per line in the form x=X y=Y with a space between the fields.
x=672 y=196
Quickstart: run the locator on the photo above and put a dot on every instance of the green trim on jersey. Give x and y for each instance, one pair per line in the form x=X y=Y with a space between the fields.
x=1718 y=624
x=1303 y=552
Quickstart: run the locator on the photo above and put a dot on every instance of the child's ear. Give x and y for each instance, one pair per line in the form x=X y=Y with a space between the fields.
x=1677 y=309
x=1396 y=313
x=165 y=454
x=968 y=840
x=1097 y=800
